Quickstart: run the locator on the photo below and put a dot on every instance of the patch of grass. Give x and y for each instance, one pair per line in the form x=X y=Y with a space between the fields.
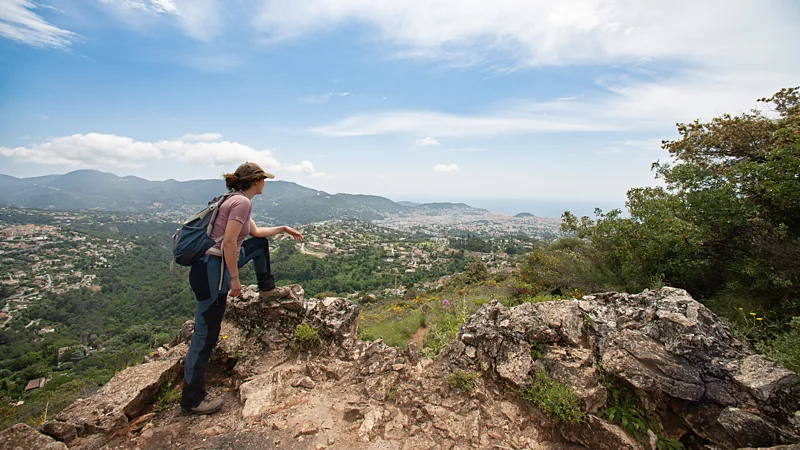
x=442 y=311
x=462 y=380
x=555 y=399
x=306 y=335
x=166 y=396
x=394 y=331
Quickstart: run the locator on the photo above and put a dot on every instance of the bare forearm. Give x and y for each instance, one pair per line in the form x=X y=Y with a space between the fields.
x=268 y=231
x=231 y=258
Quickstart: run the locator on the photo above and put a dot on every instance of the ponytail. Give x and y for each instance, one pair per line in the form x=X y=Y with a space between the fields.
x=235 y=183
x=232 y=181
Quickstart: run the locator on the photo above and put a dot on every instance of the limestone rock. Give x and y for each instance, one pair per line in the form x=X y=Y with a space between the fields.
x=23 y=437
x=124 y=397
x=60 y=431
x=682 y=363
x=598 y=434
x=184 y=335
x=305 y=382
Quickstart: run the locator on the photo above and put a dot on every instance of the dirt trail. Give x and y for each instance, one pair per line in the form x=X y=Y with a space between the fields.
x=419 y=336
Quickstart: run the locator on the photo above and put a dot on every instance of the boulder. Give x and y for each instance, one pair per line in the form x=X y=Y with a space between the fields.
x=23 y=437
x=124 y=397
x=336 y=319
x=60 y=431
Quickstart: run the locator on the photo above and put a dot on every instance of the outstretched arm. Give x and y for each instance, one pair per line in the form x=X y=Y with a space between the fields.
x=257 y=231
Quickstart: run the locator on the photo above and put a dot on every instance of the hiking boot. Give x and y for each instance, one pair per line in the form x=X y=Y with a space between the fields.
x=207 y=406
x=274 y=293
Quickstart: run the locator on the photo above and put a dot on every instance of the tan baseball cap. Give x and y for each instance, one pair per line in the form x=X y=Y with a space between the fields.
x=252 y=171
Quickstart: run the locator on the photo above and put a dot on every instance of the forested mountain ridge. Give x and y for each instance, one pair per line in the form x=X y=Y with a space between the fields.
x=282 y=202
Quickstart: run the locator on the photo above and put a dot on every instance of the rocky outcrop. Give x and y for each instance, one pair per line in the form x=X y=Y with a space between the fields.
x=125 y=397
x=23 y=437
x=682 y=363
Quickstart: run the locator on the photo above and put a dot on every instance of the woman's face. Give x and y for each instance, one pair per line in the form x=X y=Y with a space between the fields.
x=260 y=186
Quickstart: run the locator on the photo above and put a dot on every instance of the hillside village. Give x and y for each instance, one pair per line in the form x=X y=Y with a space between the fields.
x=48 y=252
x=37 y=260
x=402 y=253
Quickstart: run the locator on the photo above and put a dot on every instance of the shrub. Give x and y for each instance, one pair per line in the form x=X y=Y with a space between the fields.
x=555 y=399
x=462 y=380
x=306 y=335
x=785 y=347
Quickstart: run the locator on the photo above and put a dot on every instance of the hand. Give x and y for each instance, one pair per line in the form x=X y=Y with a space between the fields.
x=294 y=234
x=236 y=287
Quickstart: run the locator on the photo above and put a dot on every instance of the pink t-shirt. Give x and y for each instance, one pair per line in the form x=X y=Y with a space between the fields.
x=238 y=208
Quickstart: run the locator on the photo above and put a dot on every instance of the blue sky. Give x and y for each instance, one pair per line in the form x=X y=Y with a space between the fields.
x=418 y=99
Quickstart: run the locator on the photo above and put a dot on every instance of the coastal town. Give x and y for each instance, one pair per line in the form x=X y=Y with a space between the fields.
x=459 y=219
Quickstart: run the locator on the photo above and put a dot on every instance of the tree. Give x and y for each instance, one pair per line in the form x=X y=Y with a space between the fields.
x=728 y=217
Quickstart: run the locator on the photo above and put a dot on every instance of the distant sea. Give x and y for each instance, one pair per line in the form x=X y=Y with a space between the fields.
x=541 y=208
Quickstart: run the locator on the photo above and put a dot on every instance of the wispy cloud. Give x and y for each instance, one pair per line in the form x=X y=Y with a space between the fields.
x=322 y=98
x=446 y=168
x=639 y=105
x=199 y=19
x=427 y=142
x=542 y=32
x=19 y=22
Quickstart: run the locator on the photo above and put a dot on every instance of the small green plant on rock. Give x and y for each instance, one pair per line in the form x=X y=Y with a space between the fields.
x=392 y=393
x=462 y=380
x=665 y=443
x=553 y=398
x=166 y=396
x=537 y=349
x=306 y=335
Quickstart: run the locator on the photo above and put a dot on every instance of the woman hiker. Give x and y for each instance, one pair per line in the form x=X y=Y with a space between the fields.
x=212 y=285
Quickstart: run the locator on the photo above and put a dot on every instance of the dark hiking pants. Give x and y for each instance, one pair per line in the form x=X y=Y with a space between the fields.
x=209 y=309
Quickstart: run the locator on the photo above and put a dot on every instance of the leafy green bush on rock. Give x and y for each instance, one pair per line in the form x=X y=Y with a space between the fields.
x=555 y=399
x=462 y=380
x=306 y=335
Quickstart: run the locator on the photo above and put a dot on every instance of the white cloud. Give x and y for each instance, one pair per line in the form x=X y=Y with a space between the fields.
x=199 y=19
x=201 y=137
x=446 y=168
x=19 y=23
x=102 y=150
x=427 y=142
x=305 y=168
x=222 y=153
x=675 y=61
x=322 y=98
x=87 y=150
x=542 y=32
